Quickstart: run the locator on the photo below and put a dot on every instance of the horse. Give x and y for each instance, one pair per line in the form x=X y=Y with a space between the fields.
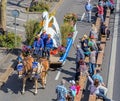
x=40 y=70
x=45 y=69
x=24 y=69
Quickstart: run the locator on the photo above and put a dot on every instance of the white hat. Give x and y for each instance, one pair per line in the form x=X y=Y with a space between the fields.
x=72 y=82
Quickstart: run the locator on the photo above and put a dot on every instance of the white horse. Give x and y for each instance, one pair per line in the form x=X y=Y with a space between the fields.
x=54 y=30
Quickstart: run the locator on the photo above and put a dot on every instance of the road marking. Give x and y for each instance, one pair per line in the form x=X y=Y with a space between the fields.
x=21 y=30
x=58 y=74
x=113 y=54
x=59 y=71
x=17 y=18
x=82 y=17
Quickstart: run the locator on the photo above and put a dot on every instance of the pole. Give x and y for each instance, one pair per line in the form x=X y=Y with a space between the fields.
x=15 y=33
x=27 y=9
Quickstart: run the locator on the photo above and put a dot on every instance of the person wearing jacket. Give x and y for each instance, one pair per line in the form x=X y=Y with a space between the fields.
x=44 y=36
x=79 y=56
x=38 y=46
x=88 y=8
x=100 y=11
x=61 y=91
x=97 y=89
x=48 y=46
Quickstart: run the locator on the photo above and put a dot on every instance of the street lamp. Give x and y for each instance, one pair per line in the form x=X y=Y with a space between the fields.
x=15 y=14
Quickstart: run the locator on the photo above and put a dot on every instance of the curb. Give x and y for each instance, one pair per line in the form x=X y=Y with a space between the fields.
x=6 y=56
x=4 y=76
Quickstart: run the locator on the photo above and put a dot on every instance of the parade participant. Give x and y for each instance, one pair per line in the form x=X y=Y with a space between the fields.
x=61 y=91
x=48 y=46
x=38 y=46
x=44 y=36
x=20 y=58
x=88 y=8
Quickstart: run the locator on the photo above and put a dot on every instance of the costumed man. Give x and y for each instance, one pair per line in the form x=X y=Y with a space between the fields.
x=48 y=46
x=38 y=46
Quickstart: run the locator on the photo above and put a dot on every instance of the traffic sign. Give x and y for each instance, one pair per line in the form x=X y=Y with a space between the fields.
x=15 y=13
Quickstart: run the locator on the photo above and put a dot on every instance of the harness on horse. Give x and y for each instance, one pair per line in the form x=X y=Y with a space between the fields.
x=20 y=67
x=39 y=68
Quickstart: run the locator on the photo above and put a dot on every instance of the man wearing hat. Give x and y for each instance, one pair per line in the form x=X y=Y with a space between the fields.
x=38 y=46
x=48 y=46
x=44 y=36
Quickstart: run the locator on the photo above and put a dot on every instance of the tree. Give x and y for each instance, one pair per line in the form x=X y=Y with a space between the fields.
x=3 y=14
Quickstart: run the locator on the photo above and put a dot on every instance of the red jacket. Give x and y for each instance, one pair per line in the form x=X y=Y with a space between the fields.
x=100 y=10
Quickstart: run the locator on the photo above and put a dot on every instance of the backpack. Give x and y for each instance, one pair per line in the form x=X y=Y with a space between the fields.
x=73 y=92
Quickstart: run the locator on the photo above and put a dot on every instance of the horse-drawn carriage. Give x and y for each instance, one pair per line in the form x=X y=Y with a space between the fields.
x=33 y=66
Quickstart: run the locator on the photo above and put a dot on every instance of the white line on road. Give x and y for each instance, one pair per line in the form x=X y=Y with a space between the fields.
x=83 y=15
x=16 y=18
x=59 y=71
x=113 y=54
x=21 y=30
x=58 y=74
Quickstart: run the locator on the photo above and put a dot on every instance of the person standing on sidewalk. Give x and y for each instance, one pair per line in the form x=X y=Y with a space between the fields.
x=79 y=56
x=88 y=8
x=92 y=63
x=100 y=11
x=61 y=91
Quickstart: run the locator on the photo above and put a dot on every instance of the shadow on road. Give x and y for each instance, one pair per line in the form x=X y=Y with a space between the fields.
x=14 y=85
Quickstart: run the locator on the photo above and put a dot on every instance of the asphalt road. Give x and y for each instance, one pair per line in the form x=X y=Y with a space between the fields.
x=11 y=90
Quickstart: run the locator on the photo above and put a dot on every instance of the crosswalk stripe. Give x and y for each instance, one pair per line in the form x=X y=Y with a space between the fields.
x=16 y=18
x=21 y=30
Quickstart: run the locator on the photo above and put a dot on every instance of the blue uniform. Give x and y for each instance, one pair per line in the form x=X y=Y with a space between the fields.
x=37 y=45
x=48 y=47
x=44 y=37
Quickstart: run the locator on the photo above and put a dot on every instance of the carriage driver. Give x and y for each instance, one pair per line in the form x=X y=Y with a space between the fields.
x=38 y=46
x=48 y=46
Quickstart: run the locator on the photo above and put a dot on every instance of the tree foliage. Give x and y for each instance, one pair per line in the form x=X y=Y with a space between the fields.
x=8 y=40
x=32 y=27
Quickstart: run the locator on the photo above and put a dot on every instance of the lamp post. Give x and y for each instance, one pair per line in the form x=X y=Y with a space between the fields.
x=15 y=14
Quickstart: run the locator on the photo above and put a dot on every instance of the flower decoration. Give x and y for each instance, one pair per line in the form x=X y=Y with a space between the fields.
x=71 y=18
x=61 y=50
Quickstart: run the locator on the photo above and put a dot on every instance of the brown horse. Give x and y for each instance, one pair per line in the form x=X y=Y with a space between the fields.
x=40 y=71
x=25 y=70
x=45 y=69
